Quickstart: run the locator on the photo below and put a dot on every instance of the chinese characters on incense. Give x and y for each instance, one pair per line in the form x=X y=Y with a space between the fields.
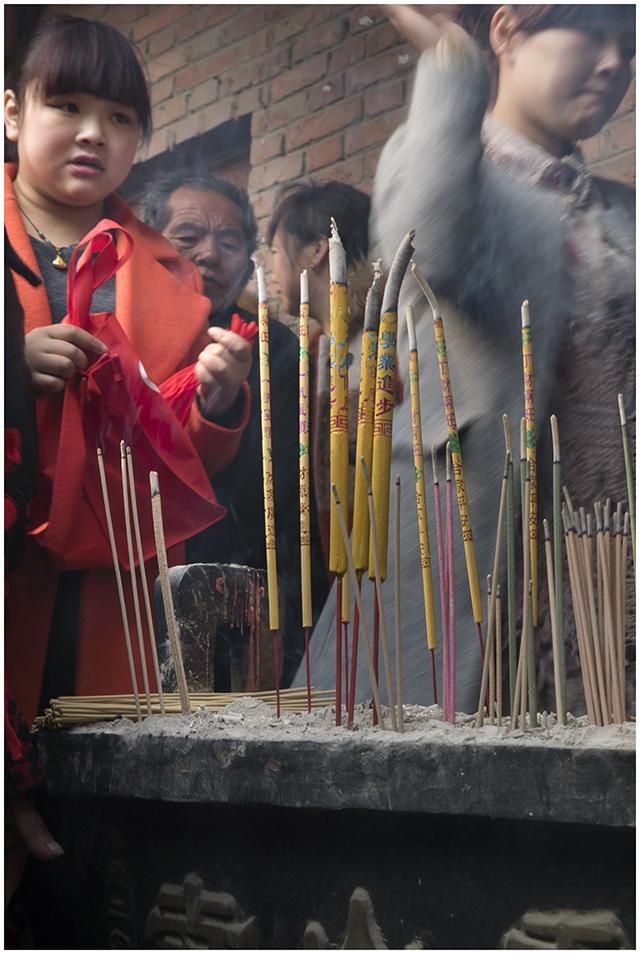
x=339 y=394
x=529 y=416
x=305 y=527
x=267 y=467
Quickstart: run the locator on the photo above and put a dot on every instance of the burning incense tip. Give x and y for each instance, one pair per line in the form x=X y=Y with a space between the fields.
x=335 y=235
x=262 y=285
x=426 y=290
x=547 y=531
x=397 y=480
x=153 y=483
x=447 y=461
x=123 y=450
x=304 y=287
x=434 y=464
x=334 y=490
x=524 y=314
x=377 y=269
x=625 y=529
x=363 y=464
x=623 y=417
x=507 y=433
x=523 y=438
x=555 y=438
x=567 y=497
x=99 y=452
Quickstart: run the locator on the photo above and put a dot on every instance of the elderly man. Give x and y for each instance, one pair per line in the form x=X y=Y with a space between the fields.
x=211 y=223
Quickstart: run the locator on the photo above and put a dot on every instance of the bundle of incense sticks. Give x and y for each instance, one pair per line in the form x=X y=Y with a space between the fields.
x=67 y=711
x=599 y=605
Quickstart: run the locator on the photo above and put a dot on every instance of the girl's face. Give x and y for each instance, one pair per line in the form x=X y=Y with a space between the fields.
x=569 y=81
x=74 y=149
x=285 y=272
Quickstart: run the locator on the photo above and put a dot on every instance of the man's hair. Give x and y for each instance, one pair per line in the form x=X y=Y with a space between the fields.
x=72 y=55
x=154 y=208
x=304 y=212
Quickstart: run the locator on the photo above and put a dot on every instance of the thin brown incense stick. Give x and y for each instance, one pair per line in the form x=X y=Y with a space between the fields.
x=378 y=581
x=167 y=599
x=623 y=603
x=597 y=507
x=629 y=475
x=132 y=571
x=557 y=667
x=492 y=600
x=580 y=617
x=593 y=615
x=116 y=569
x=398 y=630
x=363 y=623
x=619 y=604
x=583 y=588
x=618 y=708
x=498 y=656
x=143 y=579
x=490 y=655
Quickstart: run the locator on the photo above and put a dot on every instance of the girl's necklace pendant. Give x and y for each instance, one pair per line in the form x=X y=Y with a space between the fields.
x=58 y=262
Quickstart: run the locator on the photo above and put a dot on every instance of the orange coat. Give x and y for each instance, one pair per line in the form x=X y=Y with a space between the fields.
x=159 y=306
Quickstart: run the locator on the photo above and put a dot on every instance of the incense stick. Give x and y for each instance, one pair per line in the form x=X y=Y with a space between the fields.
x=511 y=563
x=499 y=656
x=398 y=631
x=529 y=413
x=579 y=618
x=442 y=574
x=365 y=638
x=378 y=580
x=454 y=440
x=451 y=588
x=143 y=579
x=167 y=599
x=628 y=467
x=421 y=504
x=558 y=608
x=304 y=476
x=531 y=667
x=490 y=659
x=116 y=569
x=132 y=570
x=523 y=657
x=557 y=666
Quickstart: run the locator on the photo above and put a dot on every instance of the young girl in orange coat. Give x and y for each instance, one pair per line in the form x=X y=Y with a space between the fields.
x=77 y=117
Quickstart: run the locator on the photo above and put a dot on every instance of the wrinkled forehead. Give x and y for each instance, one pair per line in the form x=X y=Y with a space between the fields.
x=209 y=210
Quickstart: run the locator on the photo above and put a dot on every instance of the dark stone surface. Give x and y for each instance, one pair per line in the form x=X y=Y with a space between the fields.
x=159 y=761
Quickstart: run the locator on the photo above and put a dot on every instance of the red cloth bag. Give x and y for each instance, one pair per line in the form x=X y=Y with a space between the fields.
x=112 y=400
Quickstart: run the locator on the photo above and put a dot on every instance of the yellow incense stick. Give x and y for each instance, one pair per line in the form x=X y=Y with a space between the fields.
x=267 y=467
x=364 y=440
x=418 y=463
x=339 y=393
x=454 y=441
x=384 y=404
x=529 y=415
x=305 y=523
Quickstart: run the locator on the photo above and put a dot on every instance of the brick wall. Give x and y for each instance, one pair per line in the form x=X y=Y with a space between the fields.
x=325 y=85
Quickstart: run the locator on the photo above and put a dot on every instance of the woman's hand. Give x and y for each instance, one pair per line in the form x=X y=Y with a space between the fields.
x=422 y=29
x=25 y=833
x=221 y=370
x=54 y=354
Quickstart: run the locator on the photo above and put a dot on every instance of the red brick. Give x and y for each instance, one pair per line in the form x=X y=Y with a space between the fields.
x=206 y=43
x=383 y=98
x=279 y=170
x=205 y=69
x=206 y=16
x=371 y=159
x=622 y=168
x=323 y=153
x=321 y=124
x=157 y=144
x=267 y=148
x=163 y=15
x=328 y=91
x=123 y=13
x=621 y=134
x=263 y=204
x=250 y=21
x=319 y=38
x=285 y=112
x=204 y=93
x=345 y=55
x=298 y=78
x=169 y=111
x=161 y=90
x=293 y=22
x=166 y=63
x=372 y=132
x=255 y=46
x=161 y=41
x=349 y=172
x=258 y=72
x=382 y=37
x=364 y=18
x=248 y=101
x=213 y=115
x=379 y=68
x=185 y=128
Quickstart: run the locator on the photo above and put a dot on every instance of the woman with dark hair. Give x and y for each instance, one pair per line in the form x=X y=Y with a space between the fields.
x=298 y=237
x=76 y=116
x=487 y=171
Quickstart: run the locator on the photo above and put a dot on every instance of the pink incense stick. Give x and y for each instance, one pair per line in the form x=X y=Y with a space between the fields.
x=442 y=572
x=345 y=630
x=452 y=603
x=376 y=646
x=351 y=695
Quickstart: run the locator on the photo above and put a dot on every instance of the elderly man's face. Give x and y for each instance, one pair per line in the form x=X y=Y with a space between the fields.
x=207 y=229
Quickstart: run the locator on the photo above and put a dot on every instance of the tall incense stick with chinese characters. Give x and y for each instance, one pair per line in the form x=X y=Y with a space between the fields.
x=267 y=473
x=456 y=453
x=305 y=522
x=364 y=448
x=338 y=428
x=421 y=500
x=530 y=418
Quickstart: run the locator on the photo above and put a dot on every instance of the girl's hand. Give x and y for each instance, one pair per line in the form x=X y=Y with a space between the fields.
x=423 y=29
x=221 y=369
x=54 y=354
